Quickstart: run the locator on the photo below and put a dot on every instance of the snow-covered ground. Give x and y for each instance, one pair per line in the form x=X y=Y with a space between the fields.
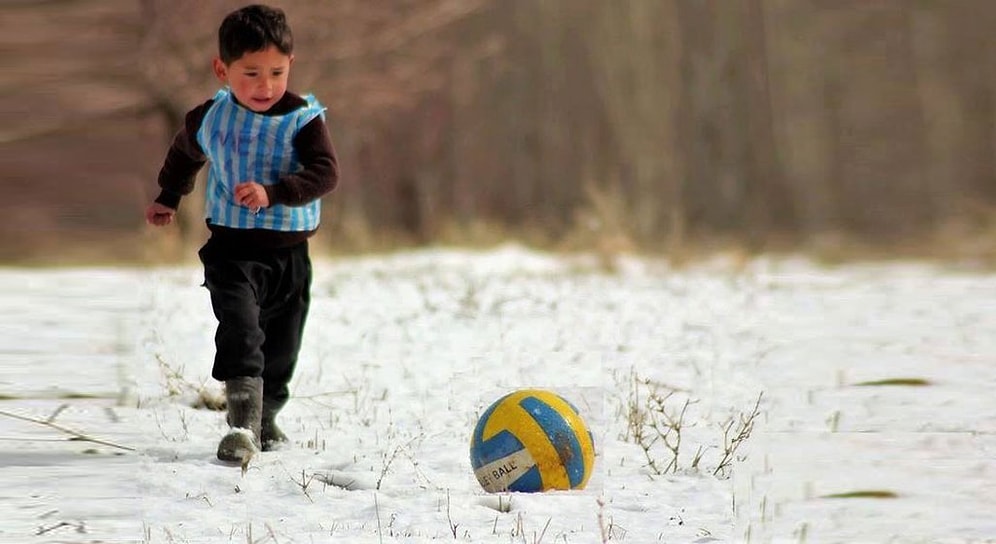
x=403 y=352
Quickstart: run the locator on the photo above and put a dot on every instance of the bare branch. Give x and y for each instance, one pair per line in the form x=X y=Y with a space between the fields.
x=76 y=435
x=745 y=426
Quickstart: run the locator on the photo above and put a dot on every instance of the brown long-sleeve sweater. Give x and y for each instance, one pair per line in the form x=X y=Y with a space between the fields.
x=318 y=176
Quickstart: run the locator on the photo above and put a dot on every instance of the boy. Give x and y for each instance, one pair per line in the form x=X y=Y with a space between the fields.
x=271 y=159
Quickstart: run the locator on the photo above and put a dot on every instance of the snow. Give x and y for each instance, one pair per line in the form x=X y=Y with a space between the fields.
x=404 y=351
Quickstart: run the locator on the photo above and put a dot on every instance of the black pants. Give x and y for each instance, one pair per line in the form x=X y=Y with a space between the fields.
x=261 y=301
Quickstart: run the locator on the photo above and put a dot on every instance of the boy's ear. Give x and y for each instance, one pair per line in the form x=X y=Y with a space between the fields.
x=220 y=70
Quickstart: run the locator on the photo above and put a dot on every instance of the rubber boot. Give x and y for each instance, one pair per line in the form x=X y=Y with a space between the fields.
x=245 y=411
x=270 y=434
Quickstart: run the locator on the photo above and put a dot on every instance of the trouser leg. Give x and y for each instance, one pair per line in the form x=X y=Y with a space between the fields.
x=283 y=324
x=239 y=337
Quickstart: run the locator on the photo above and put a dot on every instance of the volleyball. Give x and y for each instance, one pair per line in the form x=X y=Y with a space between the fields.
x=531 y=440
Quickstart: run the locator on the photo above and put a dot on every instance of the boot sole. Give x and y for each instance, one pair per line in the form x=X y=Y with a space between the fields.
x=236 y=445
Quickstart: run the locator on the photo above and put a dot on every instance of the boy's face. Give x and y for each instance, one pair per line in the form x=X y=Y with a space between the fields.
x=257 y=79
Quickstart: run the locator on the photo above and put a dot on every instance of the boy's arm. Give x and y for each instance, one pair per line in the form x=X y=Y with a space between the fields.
x=320 y=168
x=183 y=160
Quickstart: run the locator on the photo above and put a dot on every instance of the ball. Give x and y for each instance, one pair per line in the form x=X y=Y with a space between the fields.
x=531 y=440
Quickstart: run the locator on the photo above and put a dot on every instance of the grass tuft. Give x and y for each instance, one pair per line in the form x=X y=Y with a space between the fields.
x=864 y=494
x=70 y=395
x=905 y=382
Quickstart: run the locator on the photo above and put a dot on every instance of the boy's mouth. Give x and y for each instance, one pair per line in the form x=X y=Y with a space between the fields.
x=261 y=101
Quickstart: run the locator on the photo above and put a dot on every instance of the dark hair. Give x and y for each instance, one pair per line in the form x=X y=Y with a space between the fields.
x=253 y=28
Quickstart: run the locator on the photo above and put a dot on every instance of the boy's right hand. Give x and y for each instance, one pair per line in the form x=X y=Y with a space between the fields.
x=159 y=215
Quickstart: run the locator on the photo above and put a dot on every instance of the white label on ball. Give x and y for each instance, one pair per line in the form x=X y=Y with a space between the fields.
x=497 y=475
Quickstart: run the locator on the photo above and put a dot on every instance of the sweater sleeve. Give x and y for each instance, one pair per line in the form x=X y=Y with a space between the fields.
x=183 y=160
x=319 y=173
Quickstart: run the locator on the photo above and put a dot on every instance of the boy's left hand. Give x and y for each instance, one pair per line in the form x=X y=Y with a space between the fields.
x=251 y=195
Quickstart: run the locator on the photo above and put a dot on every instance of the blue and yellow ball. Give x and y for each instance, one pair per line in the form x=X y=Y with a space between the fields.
x=531 y=440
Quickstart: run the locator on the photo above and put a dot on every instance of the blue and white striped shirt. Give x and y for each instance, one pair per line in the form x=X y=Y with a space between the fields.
x=242 y=145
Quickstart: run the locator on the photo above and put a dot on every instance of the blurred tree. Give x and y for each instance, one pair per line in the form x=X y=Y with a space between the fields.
x=636 y=49
x=69 y=106
x=753 y=120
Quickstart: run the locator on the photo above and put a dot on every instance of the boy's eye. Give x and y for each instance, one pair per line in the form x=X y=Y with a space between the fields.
x=250 y=74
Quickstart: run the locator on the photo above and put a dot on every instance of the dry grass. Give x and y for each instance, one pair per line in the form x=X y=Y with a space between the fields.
x=602 y=226
x=864 y=494
x=900 y=382
x=599 y=228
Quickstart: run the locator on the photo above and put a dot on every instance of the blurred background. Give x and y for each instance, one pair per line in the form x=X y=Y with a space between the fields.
x=837 y=127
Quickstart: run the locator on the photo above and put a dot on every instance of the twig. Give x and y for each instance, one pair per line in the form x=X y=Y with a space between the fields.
x=75 y=434
x=389 y=459
x=671 y=433
x=80 y=527
x=326 y=394
x=380 y=532
x=449 y=519
x=330 y=479
x=744 y=428
x=271 y=532
x=666 y=427
x=542 y=534
x=304 y=483
x=56 y=413
x=601 y=520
